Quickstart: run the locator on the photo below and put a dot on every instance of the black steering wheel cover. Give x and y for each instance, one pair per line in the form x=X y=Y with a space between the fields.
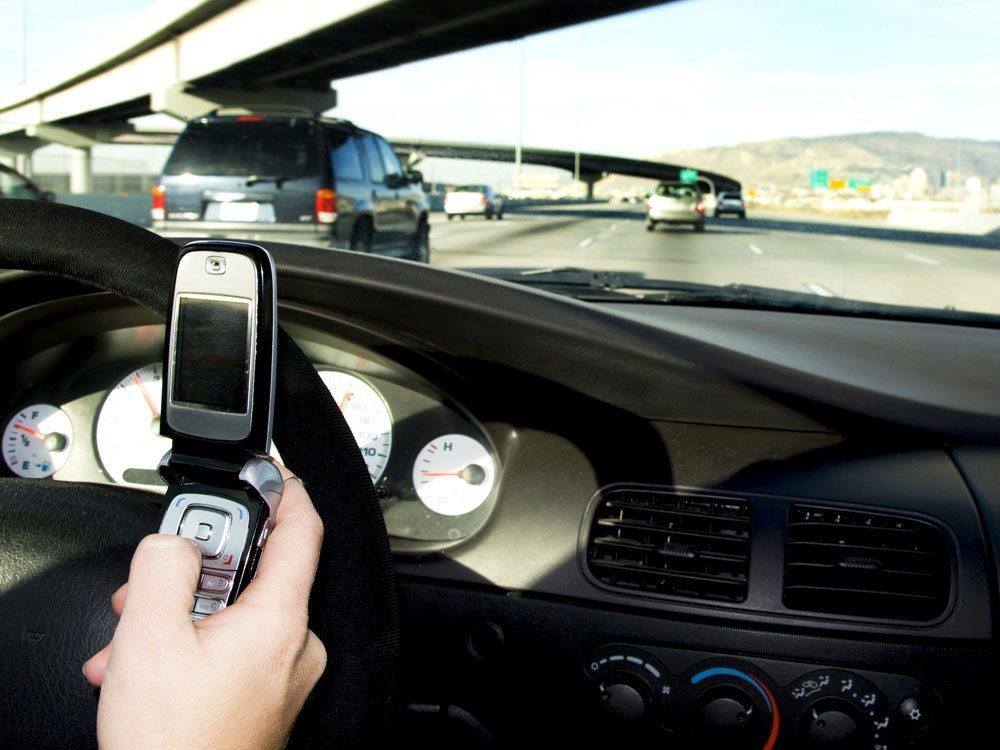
x=354 y=607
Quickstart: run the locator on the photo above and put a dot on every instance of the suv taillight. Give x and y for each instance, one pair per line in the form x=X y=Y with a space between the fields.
x=326 y=206
x=700 y=208
x=159 y=203
x=484 y=200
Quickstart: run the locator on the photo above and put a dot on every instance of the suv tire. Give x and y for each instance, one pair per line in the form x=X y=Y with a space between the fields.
x=422 y=243
x=362 y=238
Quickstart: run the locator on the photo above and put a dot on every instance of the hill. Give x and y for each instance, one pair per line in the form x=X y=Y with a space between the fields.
x=881 y=157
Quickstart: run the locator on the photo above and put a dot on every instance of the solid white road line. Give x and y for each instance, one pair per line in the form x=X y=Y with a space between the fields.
x=921 y=259
x=756 y=250
x=819 y=289
x=586 y=242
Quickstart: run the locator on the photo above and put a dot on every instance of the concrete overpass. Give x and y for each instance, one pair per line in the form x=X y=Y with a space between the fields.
x=592 y=167
x=188 y=57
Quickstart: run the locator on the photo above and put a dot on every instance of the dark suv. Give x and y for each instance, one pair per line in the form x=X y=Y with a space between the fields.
x=291 y=177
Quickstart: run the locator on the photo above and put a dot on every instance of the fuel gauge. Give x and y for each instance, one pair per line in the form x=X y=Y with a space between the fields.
x=37 y=441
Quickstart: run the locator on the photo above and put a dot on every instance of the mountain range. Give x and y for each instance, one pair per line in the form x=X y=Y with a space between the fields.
x=880 y=156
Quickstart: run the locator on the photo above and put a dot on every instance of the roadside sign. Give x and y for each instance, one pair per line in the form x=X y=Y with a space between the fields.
x=836 y=184
x=818 y=178
x=689 y=175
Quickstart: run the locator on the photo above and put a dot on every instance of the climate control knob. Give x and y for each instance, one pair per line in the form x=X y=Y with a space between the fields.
x=624 y=697
x=729 y=718
x=832 y=724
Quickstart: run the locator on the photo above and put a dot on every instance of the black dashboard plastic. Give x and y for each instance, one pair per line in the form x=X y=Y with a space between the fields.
x=777 y=408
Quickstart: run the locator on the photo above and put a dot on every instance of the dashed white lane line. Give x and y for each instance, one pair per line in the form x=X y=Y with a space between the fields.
x=756 y=250
x=819 y=289
x=587 y=242
x=921 y=259
x=613 y=227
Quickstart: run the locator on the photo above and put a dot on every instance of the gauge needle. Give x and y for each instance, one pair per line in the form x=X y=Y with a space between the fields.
x=145 y=395
x=30 y=431
x=442 y=474
x=345 y=399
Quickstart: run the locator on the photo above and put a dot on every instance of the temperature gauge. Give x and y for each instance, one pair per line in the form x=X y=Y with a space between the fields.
x=37 y=441
x=453 y=474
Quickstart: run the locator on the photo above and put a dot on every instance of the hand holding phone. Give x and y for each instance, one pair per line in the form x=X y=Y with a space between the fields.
x=218 y=398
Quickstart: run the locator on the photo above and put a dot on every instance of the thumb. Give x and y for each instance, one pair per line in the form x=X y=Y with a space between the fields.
x=161 y=585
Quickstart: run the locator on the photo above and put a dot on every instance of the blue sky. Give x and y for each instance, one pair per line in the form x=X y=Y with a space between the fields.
x=683 y=75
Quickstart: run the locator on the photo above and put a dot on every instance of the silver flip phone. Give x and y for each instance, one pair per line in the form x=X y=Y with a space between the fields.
x=218 y=398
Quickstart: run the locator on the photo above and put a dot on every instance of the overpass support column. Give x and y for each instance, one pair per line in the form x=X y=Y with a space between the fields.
x=590 y=180
x=22 y=163
x=81 y=171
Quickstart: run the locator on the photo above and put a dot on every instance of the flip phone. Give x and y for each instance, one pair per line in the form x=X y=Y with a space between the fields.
x=218 y=398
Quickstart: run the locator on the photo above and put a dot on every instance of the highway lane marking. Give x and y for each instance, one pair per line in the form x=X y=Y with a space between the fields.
x=922 y=259
x=586 y=243
x=614 y=227
x=840 y=238
x=819 y=289
x=756 y=250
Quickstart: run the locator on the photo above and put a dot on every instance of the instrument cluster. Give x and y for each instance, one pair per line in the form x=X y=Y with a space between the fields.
x=434 y=469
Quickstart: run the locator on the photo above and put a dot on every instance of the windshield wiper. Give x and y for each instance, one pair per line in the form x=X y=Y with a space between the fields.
x=633 y=286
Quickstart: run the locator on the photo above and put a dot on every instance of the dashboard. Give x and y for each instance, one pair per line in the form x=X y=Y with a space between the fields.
x=698 y=526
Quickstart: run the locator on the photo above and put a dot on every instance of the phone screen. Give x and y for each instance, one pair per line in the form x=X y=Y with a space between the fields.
x=212 y=355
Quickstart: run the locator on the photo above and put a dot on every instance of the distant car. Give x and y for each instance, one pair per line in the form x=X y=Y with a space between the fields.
x=473 y=200
x=676 y=203
x=731 y=203
x=13 y=184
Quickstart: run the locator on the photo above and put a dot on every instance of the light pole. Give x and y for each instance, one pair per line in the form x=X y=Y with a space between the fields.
x=520 y=125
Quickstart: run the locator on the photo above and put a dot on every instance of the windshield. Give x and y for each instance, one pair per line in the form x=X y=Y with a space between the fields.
x=841 y=153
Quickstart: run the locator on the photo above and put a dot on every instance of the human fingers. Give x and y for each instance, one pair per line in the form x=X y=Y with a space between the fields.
x=118 y=599
x=161 y=586
x=93 y=668
x=288 y=563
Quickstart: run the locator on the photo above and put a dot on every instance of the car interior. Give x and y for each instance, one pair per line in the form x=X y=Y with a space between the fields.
x=740 y=528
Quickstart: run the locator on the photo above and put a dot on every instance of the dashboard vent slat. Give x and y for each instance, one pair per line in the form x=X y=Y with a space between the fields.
x=670 y=543
x=865 y=564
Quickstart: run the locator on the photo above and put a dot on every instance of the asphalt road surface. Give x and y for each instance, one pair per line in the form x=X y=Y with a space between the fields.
x=827 y=259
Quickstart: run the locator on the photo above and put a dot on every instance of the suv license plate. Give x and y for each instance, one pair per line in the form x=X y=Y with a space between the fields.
x=238 y=211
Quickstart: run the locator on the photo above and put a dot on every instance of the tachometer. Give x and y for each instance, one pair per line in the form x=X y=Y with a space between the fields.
x=366 y=414
x=128 y=428
x=453 y=474
x=36 y=442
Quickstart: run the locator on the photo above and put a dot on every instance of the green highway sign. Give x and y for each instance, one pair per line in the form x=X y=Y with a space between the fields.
x=689 y=175
x=818 y=178
x=855 y=184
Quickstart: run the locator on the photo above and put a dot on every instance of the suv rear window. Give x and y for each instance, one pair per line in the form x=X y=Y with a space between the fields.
x=471 y=189
x=265 y=148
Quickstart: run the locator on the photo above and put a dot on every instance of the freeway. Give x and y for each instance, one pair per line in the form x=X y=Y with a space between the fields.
x=829 y=260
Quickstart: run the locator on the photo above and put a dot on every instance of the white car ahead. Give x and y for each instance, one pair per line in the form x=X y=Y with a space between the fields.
x=473 y=200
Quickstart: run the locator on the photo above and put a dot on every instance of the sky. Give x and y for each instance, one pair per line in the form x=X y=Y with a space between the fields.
x=688 y=74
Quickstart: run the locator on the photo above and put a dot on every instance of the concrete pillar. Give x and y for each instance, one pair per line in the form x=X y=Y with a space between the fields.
x=22 y=163
x=81 y=171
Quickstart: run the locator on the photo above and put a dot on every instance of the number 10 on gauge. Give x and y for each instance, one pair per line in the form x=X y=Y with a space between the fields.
x=453 y=474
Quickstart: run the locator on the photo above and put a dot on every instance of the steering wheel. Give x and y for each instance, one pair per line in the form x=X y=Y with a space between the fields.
x=65 y=547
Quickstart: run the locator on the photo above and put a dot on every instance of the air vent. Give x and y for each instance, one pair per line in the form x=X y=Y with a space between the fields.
x=865 y=564
x=672 y=544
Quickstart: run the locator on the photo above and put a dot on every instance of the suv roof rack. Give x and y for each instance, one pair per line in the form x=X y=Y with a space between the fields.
x=262 y=109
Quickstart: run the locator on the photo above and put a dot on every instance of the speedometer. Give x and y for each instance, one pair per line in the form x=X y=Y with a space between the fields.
x=366 y=414
x=128 y=428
